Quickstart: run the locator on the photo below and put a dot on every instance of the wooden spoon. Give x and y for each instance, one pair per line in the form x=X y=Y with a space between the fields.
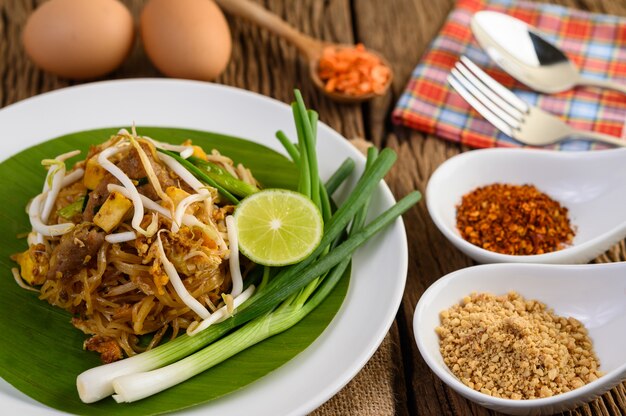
x=309 y=47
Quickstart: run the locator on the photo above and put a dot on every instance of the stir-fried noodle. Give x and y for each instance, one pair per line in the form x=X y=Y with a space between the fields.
x=132 y=230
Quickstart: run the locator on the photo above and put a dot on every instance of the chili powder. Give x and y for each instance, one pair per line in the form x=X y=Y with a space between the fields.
x=513 y=219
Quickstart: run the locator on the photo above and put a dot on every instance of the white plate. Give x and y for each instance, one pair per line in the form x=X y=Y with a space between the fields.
x=369 y=308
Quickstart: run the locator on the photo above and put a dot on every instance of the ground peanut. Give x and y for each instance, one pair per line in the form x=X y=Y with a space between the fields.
x=506 y=346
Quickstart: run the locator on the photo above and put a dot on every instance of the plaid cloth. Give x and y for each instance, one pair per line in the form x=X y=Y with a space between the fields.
x=594 y=42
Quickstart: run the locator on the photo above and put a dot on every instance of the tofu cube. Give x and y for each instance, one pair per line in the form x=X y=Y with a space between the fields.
x=94 y=173
x=112 y=211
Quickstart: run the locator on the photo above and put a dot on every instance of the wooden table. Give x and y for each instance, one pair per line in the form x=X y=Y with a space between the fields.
x=396 y=380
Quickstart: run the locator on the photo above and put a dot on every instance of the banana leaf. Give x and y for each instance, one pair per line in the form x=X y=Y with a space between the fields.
x=41 y=352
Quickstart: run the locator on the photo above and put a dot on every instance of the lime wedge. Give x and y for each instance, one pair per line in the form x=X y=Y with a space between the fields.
x=276 y=227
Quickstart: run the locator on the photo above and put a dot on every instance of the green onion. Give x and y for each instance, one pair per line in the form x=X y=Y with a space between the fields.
x=306 y=144
x=223 y=178
x=340 y=175
x=359 y=218
x=201 y=175
x=72 y=209
x=97 y=382
x=291 y=148
x=304 y=177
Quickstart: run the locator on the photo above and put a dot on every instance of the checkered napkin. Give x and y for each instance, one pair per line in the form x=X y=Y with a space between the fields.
x=596 y=43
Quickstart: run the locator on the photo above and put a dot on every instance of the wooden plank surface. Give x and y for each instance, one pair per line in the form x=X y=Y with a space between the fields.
x=396 y=380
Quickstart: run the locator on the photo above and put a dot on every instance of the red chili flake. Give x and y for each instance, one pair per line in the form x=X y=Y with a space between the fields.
x=513 y=219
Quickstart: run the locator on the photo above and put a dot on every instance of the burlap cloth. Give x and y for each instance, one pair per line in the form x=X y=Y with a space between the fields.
x=371 y=392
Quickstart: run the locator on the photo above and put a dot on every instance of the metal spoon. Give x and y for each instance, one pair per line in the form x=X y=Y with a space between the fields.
x=520 y=50
x=595 y=294
x=309 y=47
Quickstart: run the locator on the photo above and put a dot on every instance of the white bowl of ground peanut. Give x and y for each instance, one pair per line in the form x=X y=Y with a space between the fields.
x=526 y=339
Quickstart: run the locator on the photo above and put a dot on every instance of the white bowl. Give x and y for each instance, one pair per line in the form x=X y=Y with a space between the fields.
x=592 y=185
x=595 y=294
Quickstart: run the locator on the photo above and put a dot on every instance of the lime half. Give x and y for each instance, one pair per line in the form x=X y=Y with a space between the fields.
x=276 y=227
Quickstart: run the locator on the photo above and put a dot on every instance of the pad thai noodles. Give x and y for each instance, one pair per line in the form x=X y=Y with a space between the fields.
x=132 y=244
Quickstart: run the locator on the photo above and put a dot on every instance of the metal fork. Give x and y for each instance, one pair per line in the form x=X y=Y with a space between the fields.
x=511 y=115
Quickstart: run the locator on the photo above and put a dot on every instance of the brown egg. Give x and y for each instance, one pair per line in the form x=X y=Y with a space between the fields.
x=79 y=38
x=186 y=38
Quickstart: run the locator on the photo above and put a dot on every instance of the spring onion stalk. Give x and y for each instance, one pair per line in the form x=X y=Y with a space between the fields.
x=337 y=178
x=194 y=171
x=306 y=144
x=325 y=205
x=223 y=178
x=359 y=218
x=291 y=148
x=304 y=173
x=97 y=382
x=313 y=119
x=264 y=278
x=301 y=274
x=321 y=198
x=340 y=175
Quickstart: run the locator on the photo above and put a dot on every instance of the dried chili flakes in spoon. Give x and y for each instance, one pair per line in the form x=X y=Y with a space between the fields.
x=513 y=219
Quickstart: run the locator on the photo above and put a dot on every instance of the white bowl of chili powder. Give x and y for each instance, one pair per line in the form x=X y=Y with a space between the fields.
x=520 y=343
x=529 y=205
